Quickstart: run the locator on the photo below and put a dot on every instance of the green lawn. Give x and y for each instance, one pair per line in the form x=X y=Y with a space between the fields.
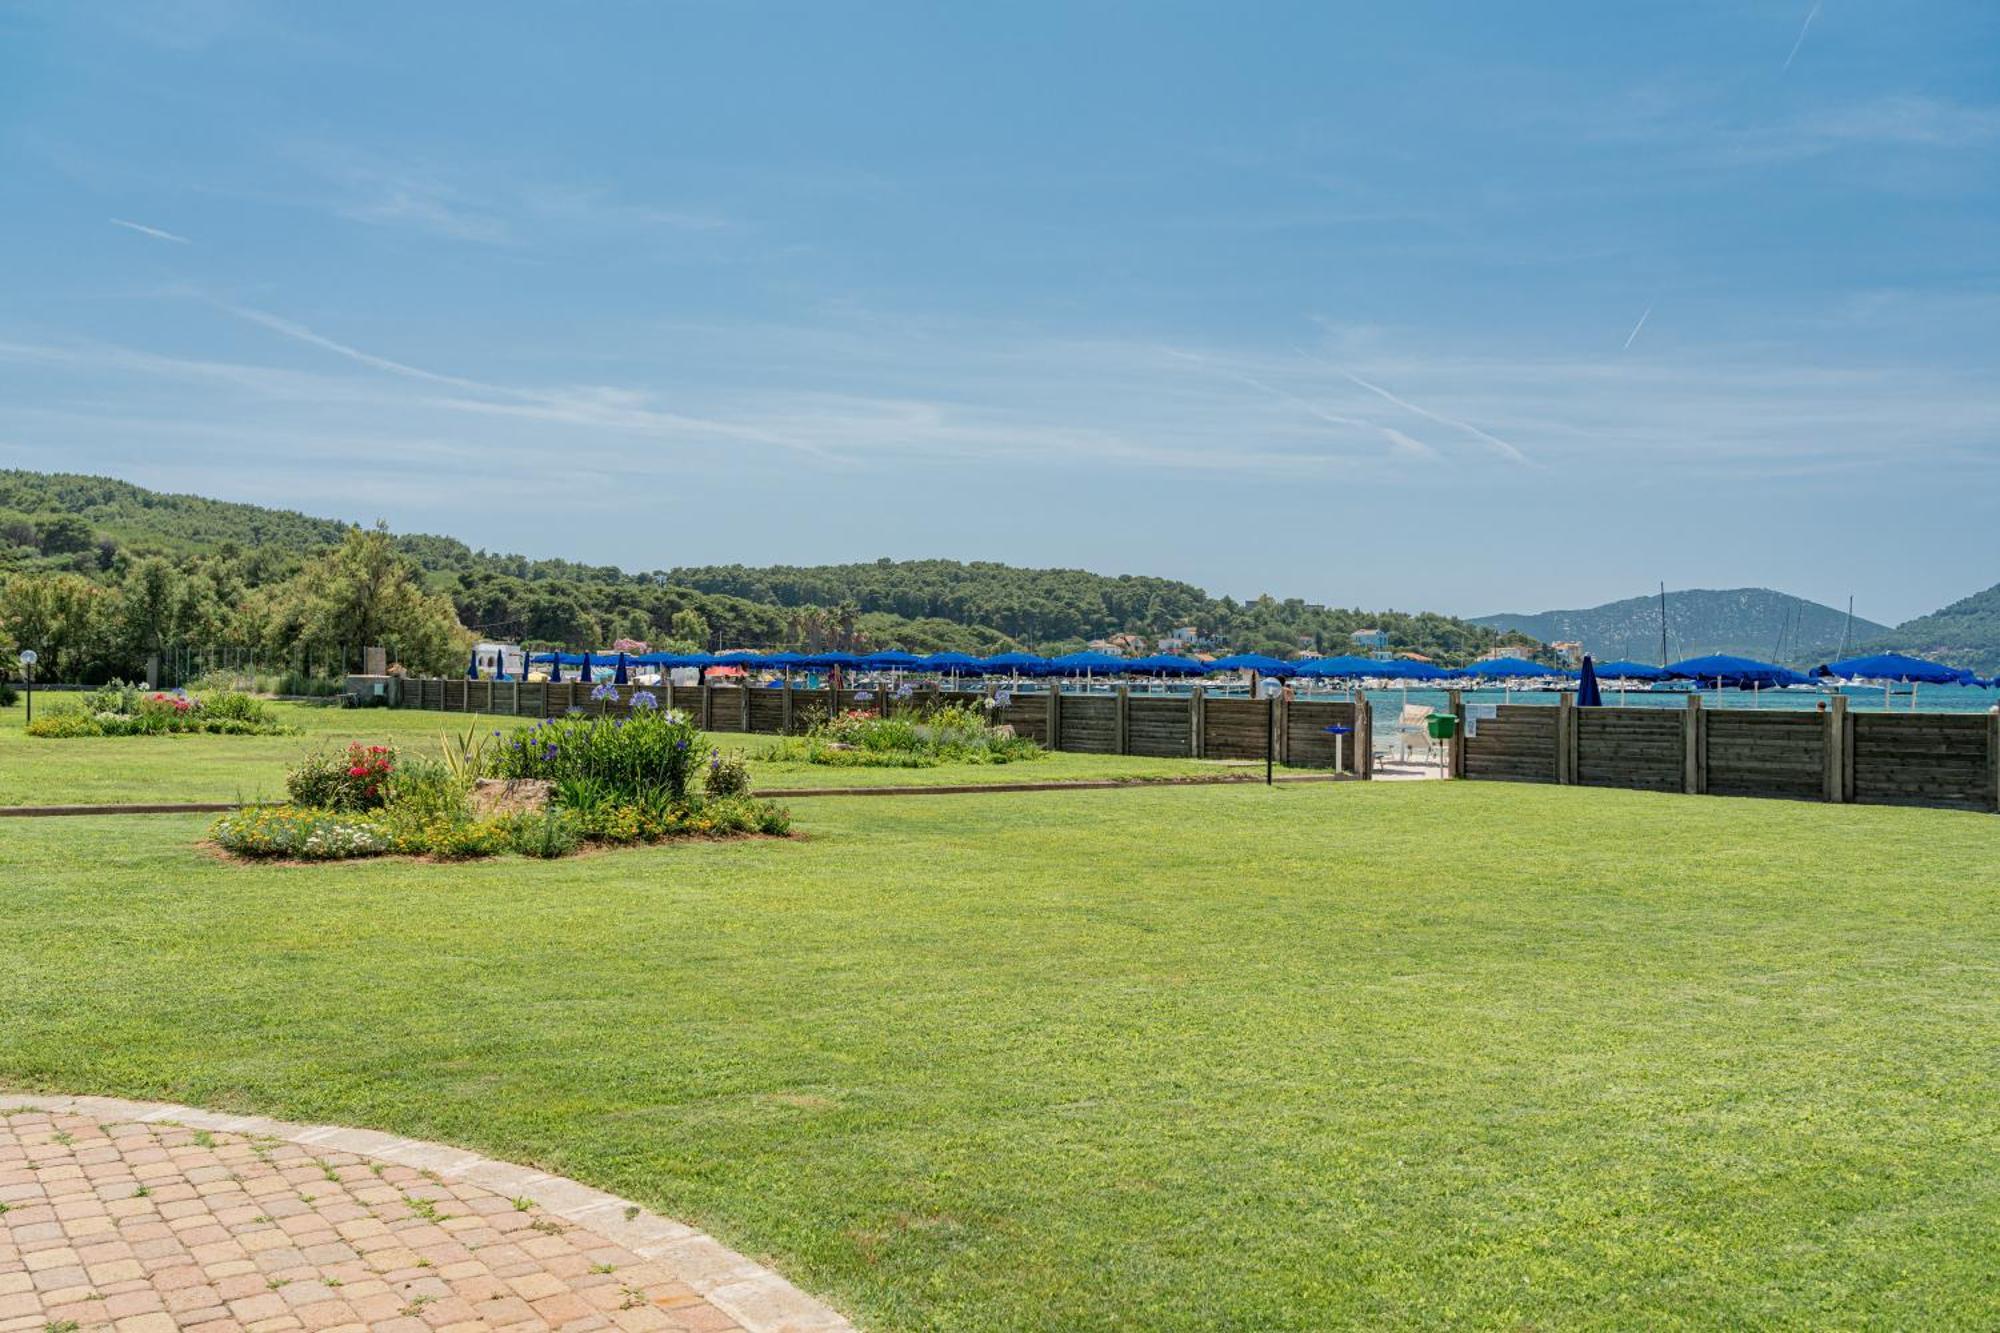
x=40 y=771
x=1399 y=1055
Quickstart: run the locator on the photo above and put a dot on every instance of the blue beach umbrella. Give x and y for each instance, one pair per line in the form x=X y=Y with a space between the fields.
x=1587 y=693
x=1403 y=668
x=1166 y=664
x=1344 y=667
x=1510 y=668
x=1631 y=671
x=1898 y=667
x=1015 y=664
x=892 y=661
x=1742 y=673
x=555 y=668
x=588 y=673
x=1259 y=663
x=472 y=666
x=620 y=676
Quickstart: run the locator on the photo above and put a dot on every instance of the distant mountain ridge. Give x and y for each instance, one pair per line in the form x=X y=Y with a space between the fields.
x=1748 y=622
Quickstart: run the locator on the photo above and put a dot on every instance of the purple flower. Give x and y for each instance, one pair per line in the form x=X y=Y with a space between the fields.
x=645 y=699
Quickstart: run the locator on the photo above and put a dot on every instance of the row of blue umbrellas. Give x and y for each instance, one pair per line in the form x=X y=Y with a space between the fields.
x=1721 y=670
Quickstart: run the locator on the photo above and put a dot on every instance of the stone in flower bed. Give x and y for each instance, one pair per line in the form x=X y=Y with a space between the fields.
x=562 y=785
x=126 y=710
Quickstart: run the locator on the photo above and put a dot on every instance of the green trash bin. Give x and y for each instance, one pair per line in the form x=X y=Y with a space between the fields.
x=1442 y=726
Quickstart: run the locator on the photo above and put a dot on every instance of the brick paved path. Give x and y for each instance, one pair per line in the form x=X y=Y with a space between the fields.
x=110 y=1221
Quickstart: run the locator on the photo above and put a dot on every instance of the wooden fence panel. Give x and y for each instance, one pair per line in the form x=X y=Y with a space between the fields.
x=767 y=711
x=1639 y=748
x=1234 y=728
x=1518 y=744
x=1308 y=746
x=1028 y=715
x=1923 y=759
x=1089 y=724
x=1754 y=753
x=1162 y=728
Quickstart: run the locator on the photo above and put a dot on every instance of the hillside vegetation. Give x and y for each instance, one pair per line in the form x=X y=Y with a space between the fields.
x=1966 y=633
x=105 y=577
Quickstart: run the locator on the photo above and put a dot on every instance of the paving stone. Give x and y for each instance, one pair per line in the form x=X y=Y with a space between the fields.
x=248 y=1225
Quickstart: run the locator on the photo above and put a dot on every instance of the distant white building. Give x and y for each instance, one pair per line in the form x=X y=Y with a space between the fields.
x=1371 y=638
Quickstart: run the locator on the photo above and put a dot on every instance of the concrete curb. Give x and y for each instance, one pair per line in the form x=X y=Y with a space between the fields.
x=751 y=1294
x=786 y=793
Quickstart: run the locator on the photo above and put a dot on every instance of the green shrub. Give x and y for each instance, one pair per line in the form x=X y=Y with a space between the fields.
x=628 y=757
x=351 y=780
x=423 y=789
x=65 y=724
x=309 y=835
x=728 y=775
x=9 y=696
x=552 y=833
x=118 y=709
x=953 y=734
x=234 y=706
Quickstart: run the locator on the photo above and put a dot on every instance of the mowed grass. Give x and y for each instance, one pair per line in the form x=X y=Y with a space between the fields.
x=1400 y=1055
x=153 y=769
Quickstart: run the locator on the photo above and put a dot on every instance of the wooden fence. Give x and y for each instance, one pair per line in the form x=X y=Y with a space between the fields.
x=1936 y=759
x=1122 y=722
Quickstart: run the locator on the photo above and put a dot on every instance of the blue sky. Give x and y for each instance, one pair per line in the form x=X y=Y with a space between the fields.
x=1467 y=307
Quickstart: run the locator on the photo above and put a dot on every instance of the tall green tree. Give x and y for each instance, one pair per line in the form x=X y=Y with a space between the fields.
x=366 y=593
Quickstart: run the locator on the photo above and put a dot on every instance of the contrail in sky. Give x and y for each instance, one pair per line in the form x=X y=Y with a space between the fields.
x=153 y=232
x=1501 y=446
x=1635 y=329
x=1804 y=28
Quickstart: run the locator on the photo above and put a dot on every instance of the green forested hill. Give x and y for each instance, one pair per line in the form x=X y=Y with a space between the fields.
x=1748 y=622
x=1966 y=633
x=63 y=535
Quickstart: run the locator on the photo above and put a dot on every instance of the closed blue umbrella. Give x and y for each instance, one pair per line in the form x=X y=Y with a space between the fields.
x=555 y=668
x=1587 y=693
x=620 y=676
x=588 y=674
x=472 y=666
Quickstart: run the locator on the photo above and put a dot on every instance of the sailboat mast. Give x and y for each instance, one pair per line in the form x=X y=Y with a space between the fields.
x=1663 y=622
x=1847 y=635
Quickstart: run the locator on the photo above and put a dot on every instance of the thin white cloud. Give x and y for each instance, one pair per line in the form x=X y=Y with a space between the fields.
x=154 y=232
x=1633 y=335
x=1498 y=445
x=1804 y=28
x=1399 y=442
x=599 y=406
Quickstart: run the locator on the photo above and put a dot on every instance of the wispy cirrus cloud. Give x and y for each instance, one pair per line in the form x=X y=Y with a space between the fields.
x=157 y=233
x=487 y=203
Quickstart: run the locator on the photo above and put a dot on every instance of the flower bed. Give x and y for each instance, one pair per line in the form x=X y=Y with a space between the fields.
x=126 y=710
x=612 y=781
x=954 y=734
